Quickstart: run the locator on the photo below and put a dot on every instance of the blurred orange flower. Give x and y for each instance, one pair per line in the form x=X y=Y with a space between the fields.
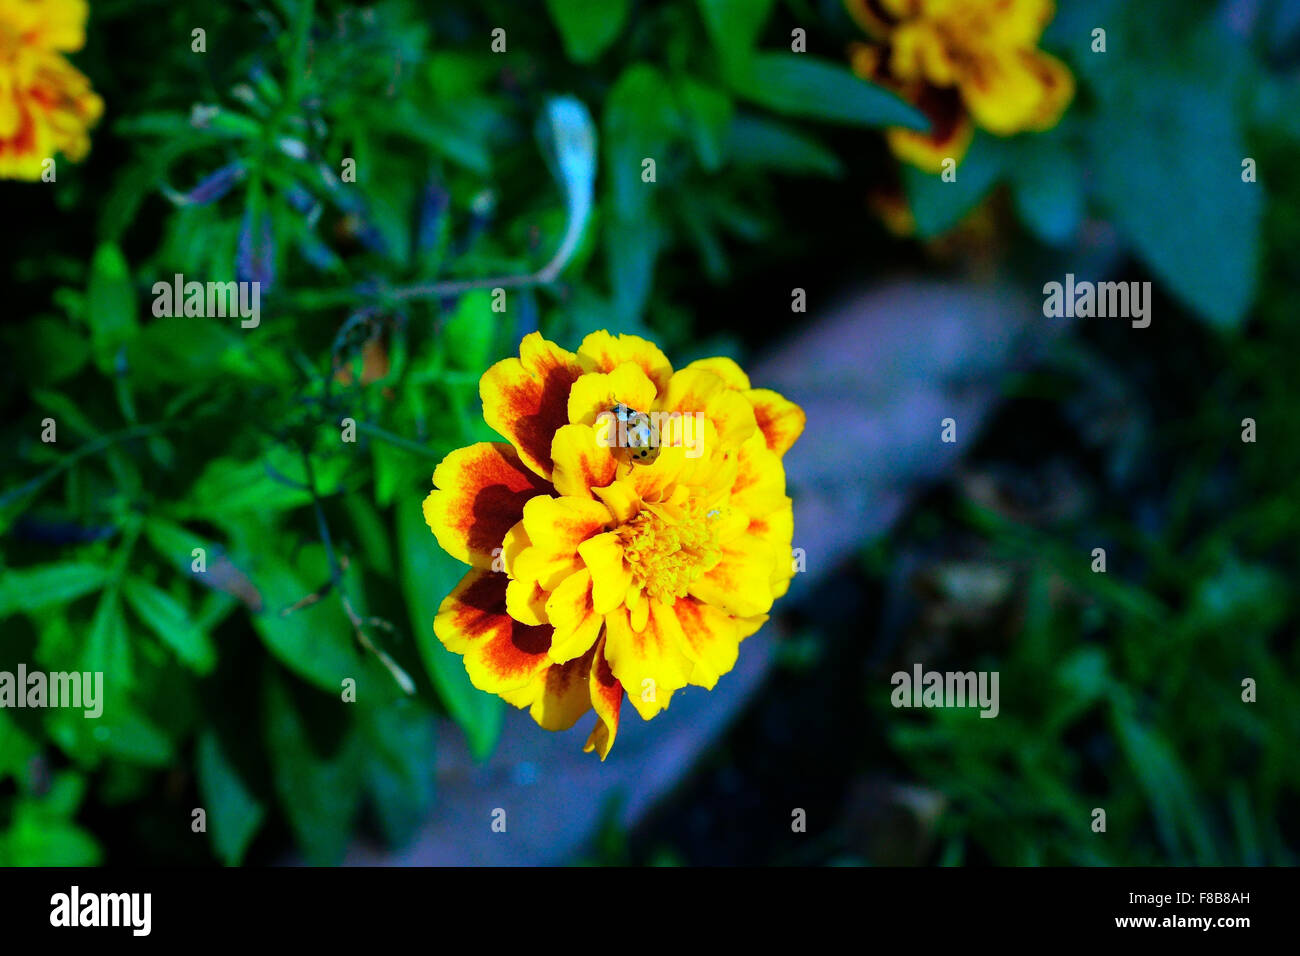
x=964 y=63
x=46 y=104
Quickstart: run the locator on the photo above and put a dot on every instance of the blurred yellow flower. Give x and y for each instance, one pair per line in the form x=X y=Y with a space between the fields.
x=964 y=63
x=46 y=104
x=593 y=570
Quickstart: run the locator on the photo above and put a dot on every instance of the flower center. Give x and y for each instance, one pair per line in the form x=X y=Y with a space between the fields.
x=667 y=554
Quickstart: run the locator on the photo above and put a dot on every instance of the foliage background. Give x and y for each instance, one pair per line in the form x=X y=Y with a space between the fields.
x=1120 y=692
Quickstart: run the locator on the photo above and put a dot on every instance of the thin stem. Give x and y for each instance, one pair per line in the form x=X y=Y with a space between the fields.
x=85 y=451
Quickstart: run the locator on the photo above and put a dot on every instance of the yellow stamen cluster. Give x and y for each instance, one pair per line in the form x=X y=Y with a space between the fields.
x=668 y=554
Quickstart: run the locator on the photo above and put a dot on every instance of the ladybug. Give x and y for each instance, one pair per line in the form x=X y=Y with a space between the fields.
x=643 y=448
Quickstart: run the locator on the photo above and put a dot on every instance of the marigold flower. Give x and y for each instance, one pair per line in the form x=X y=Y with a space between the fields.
x=46 y=104
x=964 y=63
x=593 y=572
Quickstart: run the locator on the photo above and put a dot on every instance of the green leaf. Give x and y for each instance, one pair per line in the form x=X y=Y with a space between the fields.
x=42 y=833
x=1047 y=184
x=319 y=793
x=66 y=412
x=428 y=576
x=33 y=589
x=800 y=85
x=170 y=621
x=1169 y=793
x=228 y=487
x=1168 y=157
x=588 y=27
x=469 y=331
x=110 y=305
x=639 y=122
x=52 y=351
x=234 y=812
x=175 y=544
x=936 y=205
x=631 y=248
x=314 y=641
x=707 y=114
x=399 y=765
x=108 y=648
x=764 y=143
x=176 y=350
x=16 y=749
x=734 y=27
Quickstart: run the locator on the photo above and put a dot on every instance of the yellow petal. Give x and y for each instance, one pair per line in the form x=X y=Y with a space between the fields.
x=603 y=352
x=650 y=663
x=610 y=575
x=759 y=488
x=780 y=420
x=555 y=528
x=699 y=390
x=1003 y=90
x=638 y=607
x=479 y=494
x=501 y=654
x=776 y=530
x=598 y=392
x=526 y=400
x=582 y=461
x=574 y=617
x=564 y=694
x=740 y=583
x=621 y=498
x=606 y=699
x=711 y=639
x=726 y=369
x=526 y=602
x=928 y=151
